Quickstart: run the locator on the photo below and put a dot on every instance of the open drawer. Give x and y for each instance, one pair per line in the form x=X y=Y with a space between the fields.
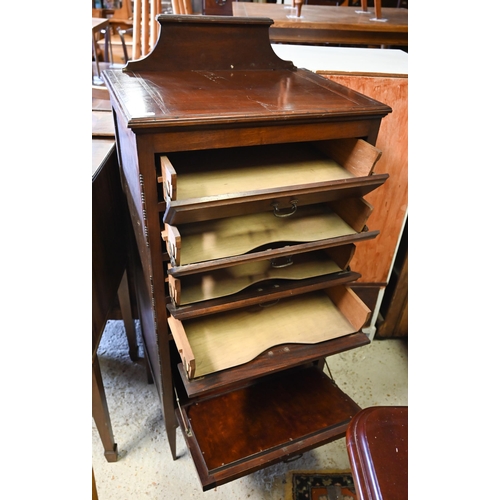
x=216 y=342
x=241 y=236
x=269 y=421
x=202 y=185
x=261 y=276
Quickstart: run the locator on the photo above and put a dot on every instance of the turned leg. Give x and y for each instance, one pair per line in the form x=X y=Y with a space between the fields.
x=100 y=413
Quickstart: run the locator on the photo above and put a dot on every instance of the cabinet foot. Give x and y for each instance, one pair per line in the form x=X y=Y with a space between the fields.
x=112 y=455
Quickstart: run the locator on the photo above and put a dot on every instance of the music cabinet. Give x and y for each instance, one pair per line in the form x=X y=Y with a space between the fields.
x=245 y=179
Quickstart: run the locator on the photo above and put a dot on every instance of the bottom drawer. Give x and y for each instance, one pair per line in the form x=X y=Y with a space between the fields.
x=279 y=417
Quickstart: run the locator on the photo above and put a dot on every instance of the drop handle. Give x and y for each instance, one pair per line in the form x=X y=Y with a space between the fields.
x=277 y=212
x=287 y=263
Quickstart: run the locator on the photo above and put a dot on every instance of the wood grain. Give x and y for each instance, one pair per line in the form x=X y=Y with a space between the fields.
x=195 y=174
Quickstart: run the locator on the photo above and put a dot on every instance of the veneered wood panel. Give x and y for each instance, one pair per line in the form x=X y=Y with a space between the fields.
x=373 y=258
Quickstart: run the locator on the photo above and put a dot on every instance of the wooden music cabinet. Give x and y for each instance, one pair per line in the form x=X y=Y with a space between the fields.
x=245 y=179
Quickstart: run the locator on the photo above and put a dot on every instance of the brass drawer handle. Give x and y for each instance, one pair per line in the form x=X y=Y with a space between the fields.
x=287 y=263
x=294 y=209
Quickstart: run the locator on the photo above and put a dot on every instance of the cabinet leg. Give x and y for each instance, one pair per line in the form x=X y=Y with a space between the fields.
x=171 y=435
x=128 y=320
x=100 y=413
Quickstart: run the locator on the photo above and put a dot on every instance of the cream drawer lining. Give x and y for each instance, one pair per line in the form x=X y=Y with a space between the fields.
x=224 y=282
x=215 y=183
x=221 y=238
x=220 y=341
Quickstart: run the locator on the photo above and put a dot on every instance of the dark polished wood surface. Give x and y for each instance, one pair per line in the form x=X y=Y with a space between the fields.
x=276 y=419
x=221 y=80
x=377 y=445
x=322 y=24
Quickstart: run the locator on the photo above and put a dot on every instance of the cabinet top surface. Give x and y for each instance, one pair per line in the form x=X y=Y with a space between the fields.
x=207 y=70
x=228 y=96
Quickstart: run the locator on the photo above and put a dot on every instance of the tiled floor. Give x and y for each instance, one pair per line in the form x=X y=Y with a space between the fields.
x=376 y=374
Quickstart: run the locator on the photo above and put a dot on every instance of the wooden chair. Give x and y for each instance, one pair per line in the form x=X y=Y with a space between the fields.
x=145 y=27
x=377 y=446
x=182 y=7
x=118 y=33
x=378 y=7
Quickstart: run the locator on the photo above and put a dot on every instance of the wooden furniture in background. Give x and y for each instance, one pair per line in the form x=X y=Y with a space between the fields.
x=111 y=252
x=377 y=445
x=98 y=24
x=383 y=75
x=375 y=260
x=212 y=103
x=378 y=8
x=323 y=24
x=145 y=27
x=182 y=7
x=116 y=46
x=393 y=318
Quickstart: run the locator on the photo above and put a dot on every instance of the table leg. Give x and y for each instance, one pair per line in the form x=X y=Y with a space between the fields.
x=100 y=413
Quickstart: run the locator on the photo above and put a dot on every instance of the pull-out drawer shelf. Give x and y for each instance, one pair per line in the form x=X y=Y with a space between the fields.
x=240 y=236
x=217 y=342
x=261 y=276
x=203 y=185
